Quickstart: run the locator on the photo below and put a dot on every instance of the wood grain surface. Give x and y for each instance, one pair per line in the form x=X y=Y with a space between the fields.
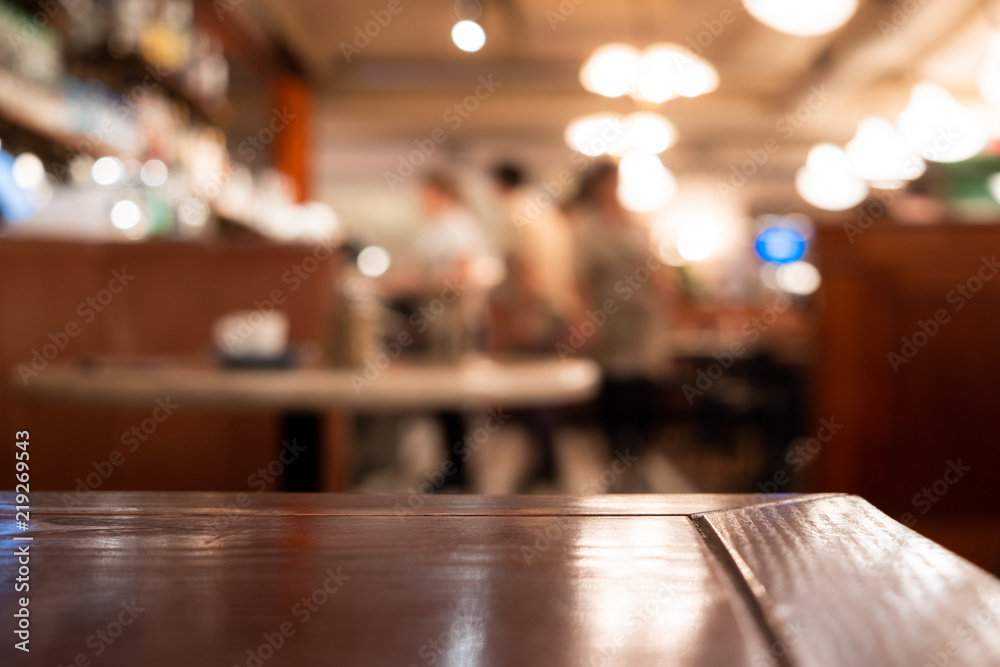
x=839 y=582
x=470 y=580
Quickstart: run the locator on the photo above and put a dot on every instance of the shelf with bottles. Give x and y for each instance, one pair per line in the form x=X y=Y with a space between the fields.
x=136 y=74
x=149 y=43
x=192 y=58
x=194 y=192
x=130 y=95
x=132 y=78
x=77 y=117
x=84 y=68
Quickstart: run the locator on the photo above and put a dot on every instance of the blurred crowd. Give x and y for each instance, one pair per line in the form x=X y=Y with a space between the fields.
x=577 y=280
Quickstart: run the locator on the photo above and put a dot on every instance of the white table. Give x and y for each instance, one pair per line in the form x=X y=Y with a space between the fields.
x=305 y=395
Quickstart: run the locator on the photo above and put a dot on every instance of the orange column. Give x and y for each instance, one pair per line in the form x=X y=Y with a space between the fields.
x=293 y=99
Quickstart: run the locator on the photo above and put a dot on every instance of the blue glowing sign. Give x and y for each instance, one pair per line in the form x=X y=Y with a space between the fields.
x=780 y=245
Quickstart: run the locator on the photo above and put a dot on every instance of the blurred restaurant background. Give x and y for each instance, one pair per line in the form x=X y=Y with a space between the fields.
x=771 y=225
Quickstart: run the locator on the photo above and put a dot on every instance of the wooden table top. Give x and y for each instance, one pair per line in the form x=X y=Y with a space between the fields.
x=479 y=383
x=194 y=579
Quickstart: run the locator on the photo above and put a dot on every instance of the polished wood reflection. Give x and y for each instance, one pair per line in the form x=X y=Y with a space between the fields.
x=473 y=580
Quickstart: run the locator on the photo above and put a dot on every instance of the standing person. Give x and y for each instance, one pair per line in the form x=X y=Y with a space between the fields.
x=612 y=255
x=537 y=301
x=448 y=248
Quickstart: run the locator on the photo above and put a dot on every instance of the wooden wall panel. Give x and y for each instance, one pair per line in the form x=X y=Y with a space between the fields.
x=902 y=428
x=167 y=310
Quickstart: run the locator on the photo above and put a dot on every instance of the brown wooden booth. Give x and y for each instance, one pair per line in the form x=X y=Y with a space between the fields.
x=172 y=294
x=908 y=361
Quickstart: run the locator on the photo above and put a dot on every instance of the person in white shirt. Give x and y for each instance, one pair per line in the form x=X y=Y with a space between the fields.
x=449 y=249
x=538 y=299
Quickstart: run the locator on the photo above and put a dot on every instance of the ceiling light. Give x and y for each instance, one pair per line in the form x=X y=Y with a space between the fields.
x=879 y=155
x=611 y=70
x=650 y=132
x=644 y=184
x=373 y=261
x=795 y=17
x=468 y=36
x=689 y=75
x=669 y=70
x=695 y=244
x=610 y=134
x=938 y=127
x=660 y=73
x=698 y=224
x=657 y=75
x=828 y=181
x=596 y=134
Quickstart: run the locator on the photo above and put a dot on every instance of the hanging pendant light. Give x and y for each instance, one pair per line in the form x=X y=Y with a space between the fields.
x=468 y=36
x=611 y=70
x=650 y=132
x=939 y=128
x=607 y=133
x=880 y=156
x=828 y=181
x=795 y=17
x=644 y=184
x=659 y=73
x=597 y=134
x=670 y=70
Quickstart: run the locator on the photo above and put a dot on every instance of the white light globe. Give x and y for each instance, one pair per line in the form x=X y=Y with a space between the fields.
x=611 y=70
x=699 y=78
x=696 y=244
x=828 y=181
x=28 y=171
x=125 y=214
x=468 y=36
x=597 y=134
x=650 y=132
x=373 y=261
x=800 y=278
x=830 y=193
x=107 y=171
x=644 y=184
x=880 y=156
x=796 y=17
x=937 y=127
x=668 y=70
x=657 y=75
